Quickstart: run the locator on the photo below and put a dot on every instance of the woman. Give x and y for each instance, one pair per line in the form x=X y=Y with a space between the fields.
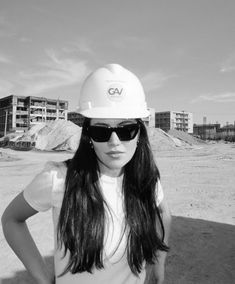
x=110 y=217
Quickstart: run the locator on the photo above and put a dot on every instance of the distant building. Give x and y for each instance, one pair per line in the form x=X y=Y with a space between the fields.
x=206 y=131
x=76 y=118
x=226 y=132
x=179 y=120
x=18 y=113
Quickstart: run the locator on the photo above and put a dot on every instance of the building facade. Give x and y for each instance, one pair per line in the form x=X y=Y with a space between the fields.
x=214 y=131
x=179 y=120
x=18 y=113
x=227 y=132
x=76 y=118
x=206 y=131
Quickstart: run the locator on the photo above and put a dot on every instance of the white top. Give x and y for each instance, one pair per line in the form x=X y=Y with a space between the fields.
x=46 y=191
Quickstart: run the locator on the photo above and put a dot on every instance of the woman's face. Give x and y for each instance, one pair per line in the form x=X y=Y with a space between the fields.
x=114 y=154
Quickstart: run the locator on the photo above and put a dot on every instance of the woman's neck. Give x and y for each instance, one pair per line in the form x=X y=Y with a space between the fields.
x=110 y=172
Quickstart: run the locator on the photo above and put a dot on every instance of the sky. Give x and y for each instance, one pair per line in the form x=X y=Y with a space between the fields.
x=183 y=51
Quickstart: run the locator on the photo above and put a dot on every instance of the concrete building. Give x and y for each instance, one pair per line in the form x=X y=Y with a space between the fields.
x=76 y=118
x=18 y=113
x=206 y=131
x=215 y=132
x=227 y=132
x=179 y=120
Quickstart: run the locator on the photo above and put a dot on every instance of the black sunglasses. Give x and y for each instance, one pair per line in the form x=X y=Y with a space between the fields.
x=103 y=133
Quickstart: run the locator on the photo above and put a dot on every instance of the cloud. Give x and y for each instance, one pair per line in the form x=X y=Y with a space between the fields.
x=56 y=71
x=229 y=64
x=80 y=46
x=227 y=69
x=153 y=80
x=219 y=98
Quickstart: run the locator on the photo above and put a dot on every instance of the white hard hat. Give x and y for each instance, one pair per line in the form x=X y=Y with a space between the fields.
x=112 y=92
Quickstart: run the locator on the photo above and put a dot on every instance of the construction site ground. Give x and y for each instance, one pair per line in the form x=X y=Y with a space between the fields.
x=199 y=185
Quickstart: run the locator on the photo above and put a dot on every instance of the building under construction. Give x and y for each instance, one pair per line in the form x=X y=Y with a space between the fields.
x=214 y=131
x=76 y=118
x=18 y=113
x=206 y=131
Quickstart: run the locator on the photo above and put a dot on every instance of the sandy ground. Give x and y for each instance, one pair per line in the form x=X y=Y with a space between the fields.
x=199 y=184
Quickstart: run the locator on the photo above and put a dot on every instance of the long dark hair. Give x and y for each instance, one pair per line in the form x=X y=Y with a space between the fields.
x=82 y=217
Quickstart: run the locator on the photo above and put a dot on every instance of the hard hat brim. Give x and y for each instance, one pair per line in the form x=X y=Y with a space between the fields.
x=104 y=112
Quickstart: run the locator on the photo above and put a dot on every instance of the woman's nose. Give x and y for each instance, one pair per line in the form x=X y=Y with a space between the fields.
x=114 y=140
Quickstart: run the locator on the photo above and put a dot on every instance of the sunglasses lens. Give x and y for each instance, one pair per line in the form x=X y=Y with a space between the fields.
x=124 y=133
x=99 y=134
x=127 y=132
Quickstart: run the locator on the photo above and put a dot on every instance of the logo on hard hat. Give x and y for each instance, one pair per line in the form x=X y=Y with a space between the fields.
x=115 y=92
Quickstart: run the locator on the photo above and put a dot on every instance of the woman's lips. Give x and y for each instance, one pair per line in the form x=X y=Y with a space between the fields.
x=115 y=154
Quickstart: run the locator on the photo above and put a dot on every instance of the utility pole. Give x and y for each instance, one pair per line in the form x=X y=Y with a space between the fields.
x=5 y=130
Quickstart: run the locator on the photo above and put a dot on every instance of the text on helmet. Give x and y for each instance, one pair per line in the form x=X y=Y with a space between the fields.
x=115 y=92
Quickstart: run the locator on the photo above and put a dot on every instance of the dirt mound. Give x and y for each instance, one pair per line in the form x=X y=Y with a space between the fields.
x=160 y=140
x=185 y=137
x=55 y=135
x=65 y=135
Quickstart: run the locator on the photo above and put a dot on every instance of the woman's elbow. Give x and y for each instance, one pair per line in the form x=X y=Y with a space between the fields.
x=4 y=219
x=8 y=221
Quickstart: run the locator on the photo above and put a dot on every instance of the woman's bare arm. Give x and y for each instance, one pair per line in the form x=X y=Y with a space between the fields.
x=20 y=240
x=159 y=267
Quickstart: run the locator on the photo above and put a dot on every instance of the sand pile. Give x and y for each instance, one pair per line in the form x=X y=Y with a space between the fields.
x=185 y=137
x=65 y=135
x=160 y=140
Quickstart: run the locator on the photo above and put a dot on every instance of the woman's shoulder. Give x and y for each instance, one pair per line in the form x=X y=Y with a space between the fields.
x=57 y=172
x=54 y=166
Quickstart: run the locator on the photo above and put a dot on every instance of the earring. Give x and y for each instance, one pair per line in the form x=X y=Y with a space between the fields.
x=91 y=144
